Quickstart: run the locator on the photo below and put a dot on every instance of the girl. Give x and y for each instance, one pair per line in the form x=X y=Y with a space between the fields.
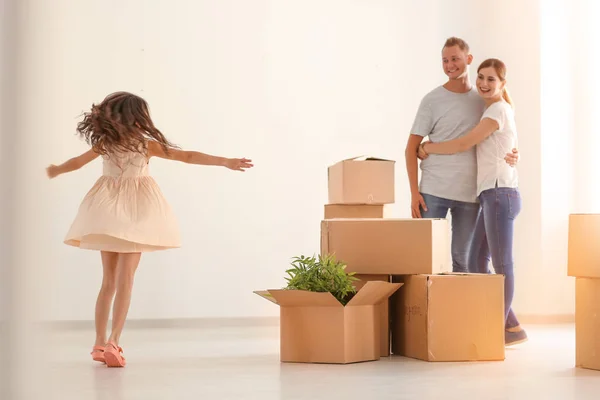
x=497 y=184
x=125 y=213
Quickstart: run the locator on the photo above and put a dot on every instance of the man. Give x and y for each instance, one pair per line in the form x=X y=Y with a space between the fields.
x=449 y=182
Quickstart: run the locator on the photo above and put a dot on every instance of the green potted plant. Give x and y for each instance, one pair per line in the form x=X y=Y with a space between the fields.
x=321 y=274
x=323 y=317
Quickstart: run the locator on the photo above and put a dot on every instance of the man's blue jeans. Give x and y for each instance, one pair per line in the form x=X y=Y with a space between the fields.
x=464 y=218
x=494 y=237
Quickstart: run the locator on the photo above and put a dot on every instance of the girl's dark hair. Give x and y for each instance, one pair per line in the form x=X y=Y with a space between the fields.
x=121 y=123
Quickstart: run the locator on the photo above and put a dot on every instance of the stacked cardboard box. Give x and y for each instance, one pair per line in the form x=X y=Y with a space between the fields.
x=316 y=327
x=584 y=265
x=358 y=190
x=436 y=315
x=352 y=191
x=449 y=317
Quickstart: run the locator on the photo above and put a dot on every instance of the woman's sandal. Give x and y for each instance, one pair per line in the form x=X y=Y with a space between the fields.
x=98 y=354
x=113 y=357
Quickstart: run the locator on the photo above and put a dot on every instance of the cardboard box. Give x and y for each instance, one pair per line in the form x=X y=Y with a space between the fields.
x=317 y=328
x=353 y=211
x=587 y=323
x=388 y=246
x=449 y=317
x=383 y=310
x=584 y=251
x=361 y=180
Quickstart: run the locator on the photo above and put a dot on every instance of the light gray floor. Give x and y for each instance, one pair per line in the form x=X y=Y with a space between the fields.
x=242 y=363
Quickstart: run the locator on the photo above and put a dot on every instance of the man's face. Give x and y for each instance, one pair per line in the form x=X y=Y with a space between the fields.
x=455 y=62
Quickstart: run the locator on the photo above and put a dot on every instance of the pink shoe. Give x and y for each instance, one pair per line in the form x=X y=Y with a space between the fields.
x=113 y=357
x=98 y=354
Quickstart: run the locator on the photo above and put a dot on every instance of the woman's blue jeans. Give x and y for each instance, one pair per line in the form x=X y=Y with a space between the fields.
x=493 y=237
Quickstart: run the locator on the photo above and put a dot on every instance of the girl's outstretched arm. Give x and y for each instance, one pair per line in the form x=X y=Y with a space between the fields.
x=485 y=128
x=195 y=157
x=72 y=164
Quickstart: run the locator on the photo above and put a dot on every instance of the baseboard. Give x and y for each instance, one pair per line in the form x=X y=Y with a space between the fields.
x=546 y=319
x=175 y=323
x=244 y=322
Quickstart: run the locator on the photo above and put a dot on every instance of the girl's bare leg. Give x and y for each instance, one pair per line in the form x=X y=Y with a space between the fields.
x=126 y=266
x=106 y=295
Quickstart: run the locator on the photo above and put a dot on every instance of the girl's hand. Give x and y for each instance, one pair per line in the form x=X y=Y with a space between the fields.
x=238 y=164
x=52 y=171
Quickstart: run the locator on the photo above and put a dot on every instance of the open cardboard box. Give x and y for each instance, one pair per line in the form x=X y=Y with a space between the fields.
x=383 y=309
x=317 y=328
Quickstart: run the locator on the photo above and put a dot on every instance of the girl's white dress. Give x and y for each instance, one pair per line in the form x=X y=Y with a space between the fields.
x=125 y=211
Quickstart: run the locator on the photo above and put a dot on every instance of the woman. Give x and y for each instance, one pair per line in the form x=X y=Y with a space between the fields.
x=497 y=185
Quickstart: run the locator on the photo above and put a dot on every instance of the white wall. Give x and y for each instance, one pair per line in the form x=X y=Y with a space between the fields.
x=570 y=139
x=23 y=344
x=513 y=35
x=293 y=85
x=495 y=32
x=557 y=143
x=585 y=135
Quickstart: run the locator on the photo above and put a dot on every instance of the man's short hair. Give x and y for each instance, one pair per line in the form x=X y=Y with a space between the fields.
x=454 y=41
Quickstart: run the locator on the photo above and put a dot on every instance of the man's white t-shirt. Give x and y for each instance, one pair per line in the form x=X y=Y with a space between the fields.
x=444 y=115
x=491 y=166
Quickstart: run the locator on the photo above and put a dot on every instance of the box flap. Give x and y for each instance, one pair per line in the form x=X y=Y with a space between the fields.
x=265 y=295
x=373 y=292
x=594 y=214
x=464 y=275
x=367 y=158
x=390 y=220
x=303 y=298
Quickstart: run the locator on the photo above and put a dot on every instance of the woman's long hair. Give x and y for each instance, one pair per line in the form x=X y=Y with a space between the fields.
x=500 y=68
x=121 y=123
